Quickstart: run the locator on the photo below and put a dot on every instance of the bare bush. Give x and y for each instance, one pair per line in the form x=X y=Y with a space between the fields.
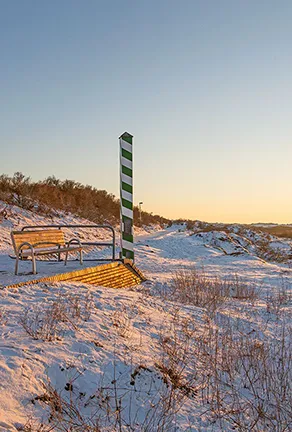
x=279 y=299
x=113 y=407
x=79 y=307
x=121 y=321
x=248 y=380
x=140 y=398
x=44 y=322
x=48 y=322
x=242 y=380
x=266 y=252
x=241 y=290
x=3 y=213
x=53 y=195
x=64 y=413
x=194 y=287
x=177 y=360
x=3 y=317
x=33 y=425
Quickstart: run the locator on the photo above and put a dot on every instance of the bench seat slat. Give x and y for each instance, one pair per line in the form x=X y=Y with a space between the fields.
x=47 y=251
x=52 y=235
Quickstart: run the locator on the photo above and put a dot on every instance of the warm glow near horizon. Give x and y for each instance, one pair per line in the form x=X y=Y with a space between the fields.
x=240 y=214
x=244 y=209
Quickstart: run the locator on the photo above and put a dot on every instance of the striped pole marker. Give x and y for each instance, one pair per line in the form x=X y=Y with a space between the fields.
x=126 y=195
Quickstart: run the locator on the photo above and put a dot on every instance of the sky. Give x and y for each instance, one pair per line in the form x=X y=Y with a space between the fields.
x=204 y=86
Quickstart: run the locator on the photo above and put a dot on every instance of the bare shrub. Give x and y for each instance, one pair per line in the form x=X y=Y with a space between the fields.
x=266 y=252
x=194 y=287
x=3 y=317
x=248 y=380
x=132 y=398
x=3 y=213
x=44 y=322
x=65 y=414
x=277 y=300
x=33 y=425
x=110 y=408
x=121 y=321
x=244 y=381
x=48 y=322
x=190 y=225
x=79 y=307
x=53 y=195
x=177 y=361
x=241 y=290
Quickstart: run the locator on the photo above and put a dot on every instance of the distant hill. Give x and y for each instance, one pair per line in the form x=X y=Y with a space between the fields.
x=50 y=196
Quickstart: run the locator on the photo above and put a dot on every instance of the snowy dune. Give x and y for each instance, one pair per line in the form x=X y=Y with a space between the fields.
x=137 y=360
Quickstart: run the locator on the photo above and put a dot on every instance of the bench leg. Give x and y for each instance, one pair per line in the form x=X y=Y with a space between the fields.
x=81 y=256
x=33 y=264
x=66 y=258
x=16 y=264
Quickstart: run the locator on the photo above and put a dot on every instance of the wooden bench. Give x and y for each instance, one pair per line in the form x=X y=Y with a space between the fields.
x=43 y=242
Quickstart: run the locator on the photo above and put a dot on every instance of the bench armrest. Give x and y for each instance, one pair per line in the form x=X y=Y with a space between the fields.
x=29 y=245
x=74 y=241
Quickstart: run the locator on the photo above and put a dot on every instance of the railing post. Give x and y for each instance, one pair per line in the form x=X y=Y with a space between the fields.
x=114 y=245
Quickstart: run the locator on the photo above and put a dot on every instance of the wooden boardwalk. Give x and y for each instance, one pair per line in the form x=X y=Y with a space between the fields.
x=117 y=274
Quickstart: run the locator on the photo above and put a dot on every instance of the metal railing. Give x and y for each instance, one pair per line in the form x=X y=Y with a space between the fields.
x=105 y=227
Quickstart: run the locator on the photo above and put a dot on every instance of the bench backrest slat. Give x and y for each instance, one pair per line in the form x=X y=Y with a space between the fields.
x=36 y=236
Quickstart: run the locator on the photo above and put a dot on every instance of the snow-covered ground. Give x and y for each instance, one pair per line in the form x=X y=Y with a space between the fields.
x=138 y=360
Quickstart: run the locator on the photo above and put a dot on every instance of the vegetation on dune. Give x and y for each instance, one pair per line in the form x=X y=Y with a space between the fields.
x=52 y=195
x=229 y=364
x=284 y=231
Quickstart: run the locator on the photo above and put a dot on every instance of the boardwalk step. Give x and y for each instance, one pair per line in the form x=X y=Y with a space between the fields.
x=118 y=274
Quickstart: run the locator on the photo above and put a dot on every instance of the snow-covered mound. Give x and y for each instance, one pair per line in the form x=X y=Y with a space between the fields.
x=228 y=244
x=238 y=240
x=114 y=336
x=74 y=356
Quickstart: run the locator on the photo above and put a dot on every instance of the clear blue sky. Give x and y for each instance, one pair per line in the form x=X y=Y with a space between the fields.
x=204 y=86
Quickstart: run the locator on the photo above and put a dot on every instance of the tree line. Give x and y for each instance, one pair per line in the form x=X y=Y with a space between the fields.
x=51 y=196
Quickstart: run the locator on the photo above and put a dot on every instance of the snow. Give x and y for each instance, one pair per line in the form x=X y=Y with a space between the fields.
x=115 y=353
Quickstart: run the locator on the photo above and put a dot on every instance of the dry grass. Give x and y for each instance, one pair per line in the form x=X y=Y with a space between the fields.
x=248 y=379
x=177 y=360
x=237 y=379
x=121 y=322
x=194 y=287
x=44 y=322
x=278 y=300
x=268 y=253
x=48 y=322
x=240 y=380
x=110 y=410
x=3 y=317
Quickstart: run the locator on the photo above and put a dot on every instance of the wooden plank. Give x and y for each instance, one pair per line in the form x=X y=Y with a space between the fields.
x=110 y=278
x=95 y=276
x=51 y=250
x=111 y=275
x=42 y=233
x=118 y=280
x=53 y=235
x=36 y=239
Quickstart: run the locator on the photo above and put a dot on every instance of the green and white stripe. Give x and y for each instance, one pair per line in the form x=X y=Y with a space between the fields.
x=126 y=195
